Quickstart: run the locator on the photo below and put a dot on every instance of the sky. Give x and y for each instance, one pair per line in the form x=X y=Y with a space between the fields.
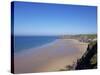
x=53 y=19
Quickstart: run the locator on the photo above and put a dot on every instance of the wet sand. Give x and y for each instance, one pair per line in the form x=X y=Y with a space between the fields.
x=50 y=57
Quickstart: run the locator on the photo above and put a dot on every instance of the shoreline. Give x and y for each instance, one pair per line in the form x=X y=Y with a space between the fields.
x=50 y=57
x=47 y=44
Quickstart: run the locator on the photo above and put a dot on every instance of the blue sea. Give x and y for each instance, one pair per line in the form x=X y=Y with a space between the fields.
x=26 y=42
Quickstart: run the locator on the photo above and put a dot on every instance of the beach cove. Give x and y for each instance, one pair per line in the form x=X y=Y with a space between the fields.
x=49 y=57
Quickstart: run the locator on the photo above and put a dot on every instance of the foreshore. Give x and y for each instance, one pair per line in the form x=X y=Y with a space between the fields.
x=50 y=57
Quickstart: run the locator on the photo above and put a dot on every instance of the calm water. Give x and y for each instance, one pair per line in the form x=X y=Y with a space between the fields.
x=26 y=42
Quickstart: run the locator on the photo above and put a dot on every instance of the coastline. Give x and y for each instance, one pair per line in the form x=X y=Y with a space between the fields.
x=50 y=57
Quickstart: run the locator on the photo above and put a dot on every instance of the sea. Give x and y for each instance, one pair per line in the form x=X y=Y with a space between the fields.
x=22 y=43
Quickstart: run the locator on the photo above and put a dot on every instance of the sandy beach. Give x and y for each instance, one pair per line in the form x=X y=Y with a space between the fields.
x=49 y=57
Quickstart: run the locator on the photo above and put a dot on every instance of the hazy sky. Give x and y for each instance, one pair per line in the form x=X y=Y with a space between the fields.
x=53 y=19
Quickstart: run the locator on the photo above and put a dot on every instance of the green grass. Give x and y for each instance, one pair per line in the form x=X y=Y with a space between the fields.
x=94 y=59
x=91 y=36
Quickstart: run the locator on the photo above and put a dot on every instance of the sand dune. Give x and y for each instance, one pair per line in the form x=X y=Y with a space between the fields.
x=50 y=57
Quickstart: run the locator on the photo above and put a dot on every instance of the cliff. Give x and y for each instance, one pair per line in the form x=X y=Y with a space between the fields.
x=89 y=59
